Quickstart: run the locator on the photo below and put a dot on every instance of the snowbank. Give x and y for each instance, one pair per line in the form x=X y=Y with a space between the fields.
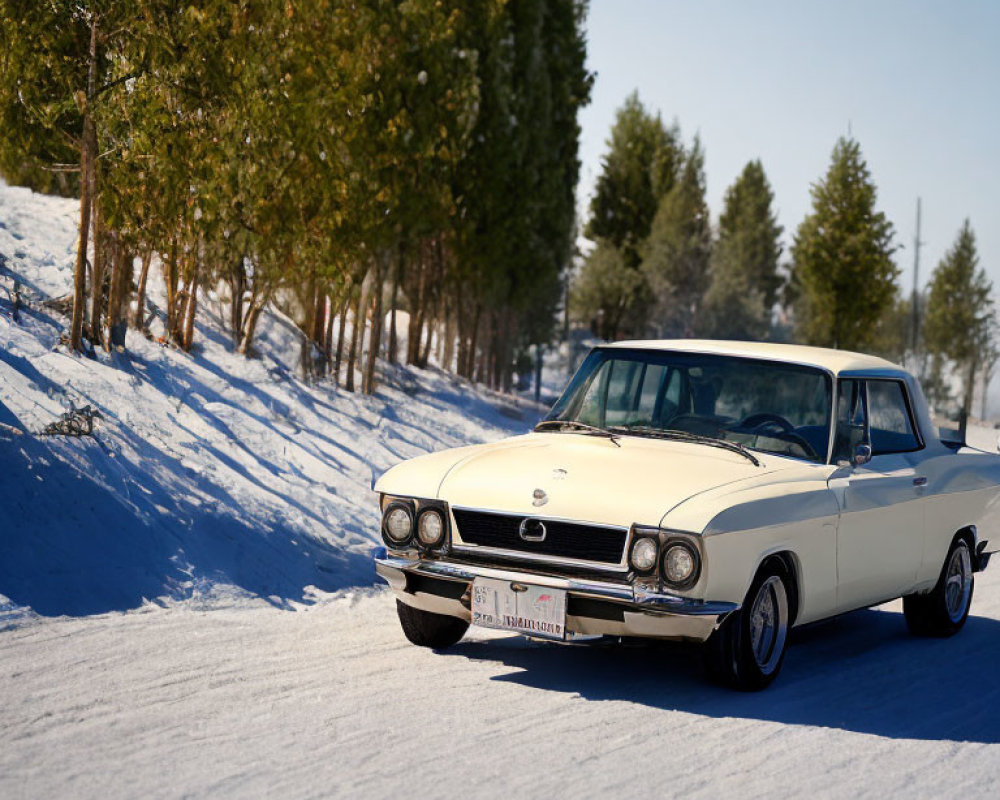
x=211 y=476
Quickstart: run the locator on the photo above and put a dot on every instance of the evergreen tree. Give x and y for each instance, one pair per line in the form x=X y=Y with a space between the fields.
x=604 y=292
x=54 y=76
x=640 y=167
x=744 y=269
x=843 y=276
x=959 y=325
x=675 y=256
x=327 y=154
x=892 y=332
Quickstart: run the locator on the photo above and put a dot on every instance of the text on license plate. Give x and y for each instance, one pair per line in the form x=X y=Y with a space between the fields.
x=532 y=610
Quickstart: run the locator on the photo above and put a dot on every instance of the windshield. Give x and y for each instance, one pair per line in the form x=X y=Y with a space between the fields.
x=767 y=406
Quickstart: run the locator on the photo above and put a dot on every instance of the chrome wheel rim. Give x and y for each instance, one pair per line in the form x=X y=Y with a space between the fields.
x=769 y=624
x=958 y=582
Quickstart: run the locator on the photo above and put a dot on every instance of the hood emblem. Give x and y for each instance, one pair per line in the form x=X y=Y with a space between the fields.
x=558 y=474
x=540 y=498
x=532 y=530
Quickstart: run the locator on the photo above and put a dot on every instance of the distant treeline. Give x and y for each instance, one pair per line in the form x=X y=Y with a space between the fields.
x=348 y=157
x=661 y=268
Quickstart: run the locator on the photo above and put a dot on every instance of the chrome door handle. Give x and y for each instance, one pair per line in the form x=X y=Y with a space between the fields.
x=921 y=481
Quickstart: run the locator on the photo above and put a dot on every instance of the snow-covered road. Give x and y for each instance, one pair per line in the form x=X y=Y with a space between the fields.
x=330 y=700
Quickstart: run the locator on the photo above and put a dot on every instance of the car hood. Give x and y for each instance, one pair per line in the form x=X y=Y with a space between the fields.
x=576 y=476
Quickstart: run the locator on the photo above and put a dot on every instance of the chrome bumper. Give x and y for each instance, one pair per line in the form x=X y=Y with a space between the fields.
x=621 y=610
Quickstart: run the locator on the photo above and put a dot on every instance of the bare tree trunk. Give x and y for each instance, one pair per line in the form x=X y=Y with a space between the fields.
x=442 y=333
x=97 y=285
x=237 y=288
x=305 y=356
x=88 y=154
x=462 y=323
x=308 y=325
x=190 y=309
x=327 y=343
x=368 y=382
x=396 y=274
x=480 y=372
x=449 y=339
x=970 y=386
x=319 y=314
x=138 y=318
x=415 y=298
x=357 y=334
x=425 y=356
x=258 y=302
x=121 y=282
x=171 y=278
x=341 y=330
x=473 y=337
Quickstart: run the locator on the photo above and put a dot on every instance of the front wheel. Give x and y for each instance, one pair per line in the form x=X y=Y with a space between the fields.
x=943 y=611
x=427 y=629
x=748 y=649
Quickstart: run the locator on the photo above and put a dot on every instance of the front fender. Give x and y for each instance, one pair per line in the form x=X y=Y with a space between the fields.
x=740 y=529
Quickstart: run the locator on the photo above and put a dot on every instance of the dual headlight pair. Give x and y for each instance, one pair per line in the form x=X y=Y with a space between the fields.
x=678 y=559
x=420 y=522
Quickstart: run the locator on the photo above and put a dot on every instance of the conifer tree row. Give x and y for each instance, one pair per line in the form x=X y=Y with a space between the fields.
x=658 y=268
x=347 y=161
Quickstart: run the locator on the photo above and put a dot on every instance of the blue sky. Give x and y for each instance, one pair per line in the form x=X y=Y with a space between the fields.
x=918 y=83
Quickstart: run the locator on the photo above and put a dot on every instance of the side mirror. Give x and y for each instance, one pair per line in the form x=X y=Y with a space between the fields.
x=862 y=455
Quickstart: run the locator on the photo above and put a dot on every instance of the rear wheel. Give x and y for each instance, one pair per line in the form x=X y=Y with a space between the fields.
x=748 y=649
x=943 y=611
x=426 y=629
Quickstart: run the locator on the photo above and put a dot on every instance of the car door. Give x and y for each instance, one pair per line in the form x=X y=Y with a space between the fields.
x=881 y=527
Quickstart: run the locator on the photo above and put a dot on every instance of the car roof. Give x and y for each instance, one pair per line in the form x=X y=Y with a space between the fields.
x=836 y=361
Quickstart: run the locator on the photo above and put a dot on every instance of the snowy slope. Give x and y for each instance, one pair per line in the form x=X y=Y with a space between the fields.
x=211 y=476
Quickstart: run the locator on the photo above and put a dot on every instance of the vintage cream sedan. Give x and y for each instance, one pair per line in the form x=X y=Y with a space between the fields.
x=715 y=492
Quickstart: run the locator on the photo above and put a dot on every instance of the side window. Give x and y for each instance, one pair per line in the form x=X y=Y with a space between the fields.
x=850 y=430
x=891 y=426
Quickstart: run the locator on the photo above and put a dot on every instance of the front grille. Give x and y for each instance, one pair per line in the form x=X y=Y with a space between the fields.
x=562 y=539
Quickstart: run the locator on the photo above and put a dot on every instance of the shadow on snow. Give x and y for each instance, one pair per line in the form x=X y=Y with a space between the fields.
x=862 y=672
x=81 y=533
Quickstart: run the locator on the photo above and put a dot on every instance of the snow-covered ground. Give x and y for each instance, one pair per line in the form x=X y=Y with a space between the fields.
x=187 y=608
x=212 y=478
x=330 y=700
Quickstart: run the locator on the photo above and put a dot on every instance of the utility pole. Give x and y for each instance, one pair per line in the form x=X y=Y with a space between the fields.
x=915 y=301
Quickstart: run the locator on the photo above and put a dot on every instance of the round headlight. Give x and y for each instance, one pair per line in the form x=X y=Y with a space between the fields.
x=430 y=527
x=643 y=556
x=679 y=563
x=398 y=524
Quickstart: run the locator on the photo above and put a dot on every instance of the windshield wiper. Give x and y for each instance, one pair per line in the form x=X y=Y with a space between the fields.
x=694 y=438
x=560 y=424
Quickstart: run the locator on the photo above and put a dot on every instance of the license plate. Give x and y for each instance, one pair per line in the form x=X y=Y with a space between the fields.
x=532 y=610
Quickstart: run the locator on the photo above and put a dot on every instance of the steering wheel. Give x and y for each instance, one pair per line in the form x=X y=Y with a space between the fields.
x=759 y=420
x=788 y=433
